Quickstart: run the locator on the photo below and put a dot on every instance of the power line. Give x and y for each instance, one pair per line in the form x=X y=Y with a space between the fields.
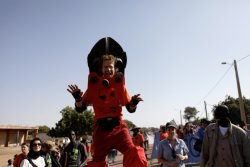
x=243 y=58
x=217 y=83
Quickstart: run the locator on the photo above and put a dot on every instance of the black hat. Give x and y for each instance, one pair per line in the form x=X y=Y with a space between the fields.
x=104 y=46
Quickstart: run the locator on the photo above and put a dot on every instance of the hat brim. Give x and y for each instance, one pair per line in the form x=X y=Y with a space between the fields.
x=173 y=126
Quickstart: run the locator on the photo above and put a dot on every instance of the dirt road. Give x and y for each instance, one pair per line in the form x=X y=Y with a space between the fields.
x=9 y=152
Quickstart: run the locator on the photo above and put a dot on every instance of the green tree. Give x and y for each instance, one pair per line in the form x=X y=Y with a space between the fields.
x=81 y=123
x=43 y=129
x=234 y=109
x=189 y=113
x=129 y=124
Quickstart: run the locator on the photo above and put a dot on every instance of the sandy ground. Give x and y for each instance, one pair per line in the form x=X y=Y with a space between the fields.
x=9 y=152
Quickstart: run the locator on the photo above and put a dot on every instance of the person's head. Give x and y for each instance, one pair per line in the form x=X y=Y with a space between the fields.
x=108 y=65
x=188 y=126
x=204 y=123
x=46 y=146
x=106 y=46
x=35 y=148
x=163 y=128
x=15 y=156
x=243 y=125
x=135 y=131
x=55 y=151
x=25 y=148
x=221 y=114
x=171 y=129
x=10 y=162
x=72 y=136
x=36 y=145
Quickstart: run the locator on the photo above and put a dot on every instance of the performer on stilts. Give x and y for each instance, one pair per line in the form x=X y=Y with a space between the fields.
x=107 y=93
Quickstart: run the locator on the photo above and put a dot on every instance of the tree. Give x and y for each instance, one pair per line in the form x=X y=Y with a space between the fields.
x=234 y=109
x=129 y=124
x=81 y=123
x=189 y=113
x=43 y=129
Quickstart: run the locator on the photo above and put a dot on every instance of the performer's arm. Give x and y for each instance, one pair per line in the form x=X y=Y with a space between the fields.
x=131 y=106
x=80 y=106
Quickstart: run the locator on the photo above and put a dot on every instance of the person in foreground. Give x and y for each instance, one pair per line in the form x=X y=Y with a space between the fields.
x=107 y=93
x=34 y=157
x=23 y=155
x=74 y=154
x=225 y=144
x=172 y=151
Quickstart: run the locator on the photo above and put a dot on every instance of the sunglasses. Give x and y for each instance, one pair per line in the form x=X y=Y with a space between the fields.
x=36 y=144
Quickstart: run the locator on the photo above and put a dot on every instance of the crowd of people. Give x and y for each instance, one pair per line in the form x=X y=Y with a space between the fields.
x=222 y=144
x=219 y=143
x=76 y=153
x=38 y=153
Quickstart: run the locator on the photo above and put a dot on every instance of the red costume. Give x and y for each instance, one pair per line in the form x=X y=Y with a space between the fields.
x=108 y=98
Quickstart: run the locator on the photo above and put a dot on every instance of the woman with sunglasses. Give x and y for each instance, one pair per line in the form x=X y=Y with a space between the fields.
x=172 y=151
x=34 y=158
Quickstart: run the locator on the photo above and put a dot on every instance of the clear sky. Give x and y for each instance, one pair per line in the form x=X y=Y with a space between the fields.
x=174 y=48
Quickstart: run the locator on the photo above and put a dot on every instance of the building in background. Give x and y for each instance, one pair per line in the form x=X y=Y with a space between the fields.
x=15 y=135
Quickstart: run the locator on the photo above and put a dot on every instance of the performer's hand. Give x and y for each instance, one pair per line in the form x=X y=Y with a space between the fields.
x=136 y=99
x=75 y=91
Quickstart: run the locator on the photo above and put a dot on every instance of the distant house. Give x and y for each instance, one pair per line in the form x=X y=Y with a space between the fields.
x=15 y=135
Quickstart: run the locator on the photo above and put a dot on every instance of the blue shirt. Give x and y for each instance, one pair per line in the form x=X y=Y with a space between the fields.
x=201 y=132
x=165 y=151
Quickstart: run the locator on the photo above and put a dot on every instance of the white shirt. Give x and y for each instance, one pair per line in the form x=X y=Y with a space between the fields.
x=38 y=162
x=223 y=130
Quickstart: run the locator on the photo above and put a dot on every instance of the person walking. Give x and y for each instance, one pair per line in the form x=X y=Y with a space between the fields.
x=225 y=144
x=172 y=151
x=74 y=154
x=146 y=142
x=111 y=155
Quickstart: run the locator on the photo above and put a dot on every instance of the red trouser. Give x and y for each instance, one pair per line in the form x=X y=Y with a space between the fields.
x=119 y=138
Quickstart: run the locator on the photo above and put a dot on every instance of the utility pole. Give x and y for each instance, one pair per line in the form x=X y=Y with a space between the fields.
x=206 y=109
x=242 y=110
x=181 y=117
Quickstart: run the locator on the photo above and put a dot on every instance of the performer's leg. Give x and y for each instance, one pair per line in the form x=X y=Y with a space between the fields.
x=133 y=155
x=101 y=147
